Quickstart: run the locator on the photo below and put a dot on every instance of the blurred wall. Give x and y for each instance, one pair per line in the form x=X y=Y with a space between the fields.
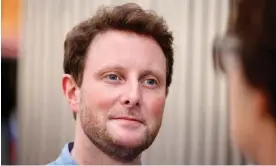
x=194 y=129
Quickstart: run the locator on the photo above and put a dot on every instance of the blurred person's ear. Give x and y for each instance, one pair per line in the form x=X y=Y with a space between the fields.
x=71 y=91
x=260 y=105
x=262 y=102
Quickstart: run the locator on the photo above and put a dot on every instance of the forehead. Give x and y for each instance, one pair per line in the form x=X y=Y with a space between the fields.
x=127 y=49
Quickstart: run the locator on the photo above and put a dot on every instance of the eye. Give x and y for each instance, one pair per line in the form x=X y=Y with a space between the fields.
x=150 y=82
x=112 y=77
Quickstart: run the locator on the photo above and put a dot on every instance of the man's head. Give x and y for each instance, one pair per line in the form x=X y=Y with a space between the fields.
x=248 y=55
x=118 y=68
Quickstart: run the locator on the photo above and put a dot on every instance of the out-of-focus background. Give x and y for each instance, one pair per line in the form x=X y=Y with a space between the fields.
x=9 y=61
x=36 y=120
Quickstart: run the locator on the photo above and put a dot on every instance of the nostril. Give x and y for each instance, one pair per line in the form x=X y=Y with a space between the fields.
x=127 y=102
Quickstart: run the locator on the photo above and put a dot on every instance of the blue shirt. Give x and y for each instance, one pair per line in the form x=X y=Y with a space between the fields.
x=65 y=157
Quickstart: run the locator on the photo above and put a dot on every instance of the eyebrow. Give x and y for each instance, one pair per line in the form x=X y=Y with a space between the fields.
x=112 y=67
x=159 y=75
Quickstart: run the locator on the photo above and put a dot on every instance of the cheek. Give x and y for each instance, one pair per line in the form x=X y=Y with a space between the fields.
x=239 y=100
x=156 y=106
x=102 y=99
x=235 y=101
x=237 y=97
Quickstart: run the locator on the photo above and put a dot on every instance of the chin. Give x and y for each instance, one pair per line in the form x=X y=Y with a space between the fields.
x=129 y=140
x=129 y=137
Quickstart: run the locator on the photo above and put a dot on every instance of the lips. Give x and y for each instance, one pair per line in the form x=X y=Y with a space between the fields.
x=128 y=119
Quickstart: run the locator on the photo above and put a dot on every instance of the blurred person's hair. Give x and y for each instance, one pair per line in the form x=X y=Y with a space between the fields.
x=253 y=24
x=128 y=17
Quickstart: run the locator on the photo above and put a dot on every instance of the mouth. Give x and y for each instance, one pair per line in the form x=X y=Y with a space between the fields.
x=127 y=119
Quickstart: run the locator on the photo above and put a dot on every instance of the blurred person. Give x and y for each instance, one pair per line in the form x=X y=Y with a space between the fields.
x=10 y=24
x=118 y=69
x=247 y=54
x=8 y=99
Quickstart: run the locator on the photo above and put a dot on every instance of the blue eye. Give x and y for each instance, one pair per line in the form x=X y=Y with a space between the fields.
x=151 y=82
x=112 y=77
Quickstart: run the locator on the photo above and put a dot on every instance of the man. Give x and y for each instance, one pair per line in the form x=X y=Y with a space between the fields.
x=118 y=69
x=248 y=55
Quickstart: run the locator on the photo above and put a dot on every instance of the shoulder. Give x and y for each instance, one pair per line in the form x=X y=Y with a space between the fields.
x=65 y=157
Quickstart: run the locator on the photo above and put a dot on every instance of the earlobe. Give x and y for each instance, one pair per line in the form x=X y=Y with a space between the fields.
x=70 y=91
x=260 y=103
x=263 y=103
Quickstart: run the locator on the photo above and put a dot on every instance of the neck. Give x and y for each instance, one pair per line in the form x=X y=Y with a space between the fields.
x=85 y=152
x=265 y=151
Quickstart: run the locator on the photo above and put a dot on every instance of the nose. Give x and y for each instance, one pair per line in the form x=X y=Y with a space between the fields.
x=132 y=96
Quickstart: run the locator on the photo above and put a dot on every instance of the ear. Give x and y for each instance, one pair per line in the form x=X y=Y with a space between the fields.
x=71 y=91
x=261 y=103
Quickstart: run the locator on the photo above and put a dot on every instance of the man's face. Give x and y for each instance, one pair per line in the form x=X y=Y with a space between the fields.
x=122 y=96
